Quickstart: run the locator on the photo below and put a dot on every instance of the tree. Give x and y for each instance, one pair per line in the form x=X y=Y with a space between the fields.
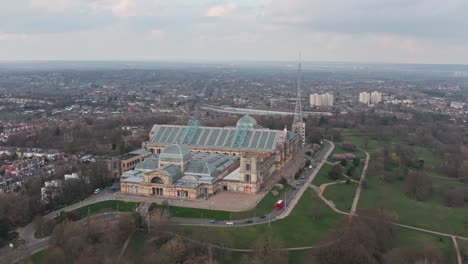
x=359 y=240
x=15 y=207
x=418 y=186
x=349 y=146
x=4 y=230
x=351 y=171
x=38 y=222
x=344 y=162
x=335 y=172
x=356 y=162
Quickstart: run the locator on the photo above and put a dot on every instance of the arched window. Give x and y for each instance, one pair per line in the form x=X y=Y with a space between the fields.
x=157 y=180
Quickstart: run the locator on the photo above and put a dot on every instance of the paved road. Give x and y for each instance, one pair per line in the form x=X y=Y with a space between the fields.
x=359 y=188
x=459 y=257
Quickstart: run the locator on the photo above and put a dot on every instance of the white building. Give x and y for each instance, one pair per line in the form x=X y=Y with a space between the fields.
x=364 y=97
x=50 y=190
x=376 y=97
x=370 y=98
x=71 y=176
x=321 y=99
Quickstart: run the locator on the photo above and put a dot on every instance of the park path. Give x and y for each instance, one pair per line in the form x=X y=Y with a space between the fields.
x=459 y=257
x=359 y=188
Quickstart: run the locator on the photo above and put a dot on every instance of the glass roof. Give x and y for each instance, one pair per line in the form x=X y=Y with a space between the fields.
x=175 y=153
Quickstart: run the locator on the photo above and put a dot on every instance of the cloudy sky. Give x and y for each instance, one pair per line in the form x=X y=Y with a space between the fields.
x=408 y=31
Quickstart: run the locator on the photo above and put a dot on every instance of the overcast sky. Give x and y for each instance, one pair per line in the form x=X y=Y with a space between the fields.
x=407 y=31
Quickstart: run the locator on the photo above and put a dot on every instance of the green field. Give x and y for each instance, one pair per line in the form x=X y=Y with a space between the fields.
x=341 y=195
x=431 y=214
x=407 y=238
x=361 y=140
x=107 y=206
x=431 y=160
x=37 y=258
x=298 y=229
x=265 y=206
x=322 y=175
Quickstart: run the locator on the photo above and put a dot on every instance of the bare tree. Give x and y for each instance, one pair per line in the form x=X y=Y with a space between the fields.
x=418 y=186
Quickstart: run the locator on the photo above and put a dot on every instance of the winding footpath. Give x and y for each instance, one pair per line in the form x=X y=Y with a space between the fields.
x=359 y=188
x=352 y=212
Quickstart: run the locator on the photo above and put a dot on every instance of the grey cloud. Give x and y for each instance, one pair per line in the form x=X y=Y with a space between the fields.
x=426 y=19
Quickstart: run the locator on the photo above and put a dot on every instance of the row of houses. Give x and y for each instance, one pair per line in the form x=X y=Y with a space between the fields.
x=51 y=154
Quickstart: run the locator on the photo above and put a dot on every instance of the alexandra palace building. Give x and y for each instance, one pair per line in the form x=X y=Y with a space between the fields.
x=194 y=161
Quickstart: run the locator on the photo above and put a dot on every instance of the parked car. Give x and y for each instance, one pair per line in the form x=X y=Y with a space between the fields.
x=230 y=223
x=97 y=191
x=213 y=221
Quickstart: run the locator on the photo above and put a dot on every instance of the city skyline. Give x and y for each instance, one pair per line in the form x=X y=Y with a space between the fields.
x=364 y=31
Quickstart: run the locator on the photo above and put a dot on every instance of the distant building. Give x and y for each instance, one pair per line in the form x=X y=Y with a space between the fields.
x=457 y=105
x=51 y=190
x=321 y=99
x=71 y=176
x=375 y=97
x=370 y=98
x=364 y=97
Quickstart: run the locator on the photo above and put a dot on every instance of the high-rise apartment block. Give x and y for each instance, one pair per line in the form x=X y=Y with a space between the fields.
x=370 y=98
x=321 y=99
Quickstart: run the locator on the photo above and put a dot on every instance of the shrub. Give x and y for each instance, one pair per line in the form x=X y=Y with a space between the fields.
x=349 y=146
x=344 y=162
x=356 y=162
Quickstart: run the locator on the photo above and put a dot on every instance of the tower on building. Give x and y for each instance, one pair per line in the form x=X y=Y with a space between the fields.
x=298 y=125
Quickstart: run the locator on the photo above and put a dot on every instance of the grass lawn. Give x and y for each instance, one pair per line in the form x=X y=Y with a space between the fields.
x=463 y=246
x=431 y=160
x=263 y=207
x=407 y=238
x=322 y=175
x=361 y=140
x=342 y=195
x=298 y=229
x=107 y=206
x=431 y=214
x=37 y=258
